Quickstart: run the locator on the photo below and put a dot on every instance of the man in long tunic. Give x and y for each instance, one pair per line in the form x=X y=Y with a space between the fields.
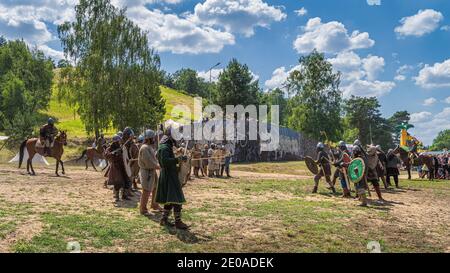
x=324 y=161
x=169 y=192
x=373 y=163
x=148 y=164
x=381 y=169
x=117 y=175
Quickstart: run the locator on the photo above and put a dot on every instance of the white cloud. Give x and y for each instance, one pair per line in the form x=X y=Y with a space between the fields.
x=436 y=76
x=237 y=16
x=424 y=22
x=445 y=28
x=214 y=75
x=373 y=65
x=331 y=37
x=374 y=2
x=420 y=117
x=301 y=12
x=279 y=78
x=427 y=126
x=447 y=100
x=169 y=32
x=400 y=78
x=359 y=75
x=429 y=102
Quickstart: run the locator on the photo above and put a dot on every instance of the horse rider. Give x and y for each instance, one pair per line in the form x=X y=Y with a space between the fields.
x=47 y=135
x=324 y=161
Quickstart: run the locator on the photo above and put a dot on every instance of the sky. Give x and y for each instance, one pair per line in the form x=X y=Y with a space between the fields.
x=396 y=50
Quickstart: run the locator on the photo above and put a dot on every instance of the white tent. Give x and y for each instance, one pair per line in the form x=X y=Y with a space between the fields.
x=38 y=159
x=3 y=138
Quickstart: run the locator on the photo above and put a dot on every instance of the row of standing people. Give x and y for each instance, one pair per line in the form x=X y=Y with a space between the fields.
x=211 y=160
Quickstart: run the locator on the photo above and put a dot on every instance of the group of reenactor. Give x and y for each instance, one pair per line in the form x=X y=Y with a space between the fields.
x=158 y=161
x=375 y=166
x=211 y=160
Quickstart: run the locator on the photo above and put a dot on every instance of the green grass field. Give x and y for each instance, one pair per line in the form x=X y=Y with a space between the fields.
x=242 y=214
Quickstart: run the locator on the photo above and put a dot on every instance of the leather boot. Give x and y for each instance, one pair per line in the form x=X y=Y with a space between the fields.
x=144 y=201
x=165 y=218
x=116 y=195
x=125 y=195
x=178 y=223
x=315 y=189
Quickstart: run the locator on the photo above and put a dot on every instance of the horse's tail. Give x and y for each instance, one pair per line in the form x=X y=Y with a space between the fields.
x=82 y=155
x=21 y=152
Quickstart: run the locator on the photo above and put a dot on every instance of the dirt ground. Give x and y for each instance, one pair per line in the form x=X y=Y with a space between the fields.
x=420 y=214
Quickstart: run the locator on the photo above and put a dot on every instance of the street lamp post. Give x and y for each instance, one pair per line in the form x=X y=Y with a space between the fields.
x=210 y=79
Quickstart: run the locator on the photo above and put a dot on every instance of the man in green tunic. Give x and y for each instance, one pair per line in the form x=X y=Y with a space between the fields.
x=169 y=192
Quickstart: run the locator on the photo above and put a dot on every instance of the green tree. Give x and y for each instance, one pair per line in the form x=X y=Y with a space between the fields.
x=315 y=105
x=236 y=86
x=277 y=97
x=25 y=88
x=442 y=141
x=115 y=78
x=186 y=79
x=363 y=116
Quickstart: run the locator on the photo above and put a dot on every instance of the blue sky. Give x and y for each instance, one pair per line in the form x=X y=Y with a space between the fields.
x=397 y=50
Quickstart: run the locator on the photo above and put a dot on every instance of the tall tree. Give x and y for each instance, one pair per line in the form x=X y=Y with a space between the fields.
x=277 y=97
x=25 y=87
x=186 y=79
x=115 y=78
x=236 y=86
x=363 y=116
x=315 y=106
x=442 y=141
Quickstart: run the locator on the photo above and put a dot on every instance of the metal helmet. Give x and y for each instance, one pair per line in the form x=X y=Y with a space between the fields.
x=378 y=147
x=116 y=138
x=149 y=134
x=357 y=149
x=342 y=145
x=128 y=131
x=50 y=121
x=120 y=134
x=320 y=146
x=357 y=143
x=141 y=138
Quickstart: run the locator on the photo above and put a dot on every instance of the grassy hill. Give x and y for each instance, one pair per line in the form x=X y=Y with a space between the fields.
x=67 y=118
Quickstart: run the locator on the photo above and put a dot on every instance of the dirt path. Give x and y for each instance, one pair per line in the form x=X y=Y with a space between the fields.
x=281 y=176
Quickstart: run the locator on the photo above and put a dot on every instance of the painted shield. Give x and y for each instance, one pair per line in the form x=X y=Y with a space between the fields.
x=312 y=165
x=356 y=170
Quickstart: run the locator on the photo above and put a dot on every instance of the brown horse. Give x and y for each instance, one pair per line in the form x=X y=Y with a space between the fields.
x=57 y=152
x=92 y=153
x=421 y=160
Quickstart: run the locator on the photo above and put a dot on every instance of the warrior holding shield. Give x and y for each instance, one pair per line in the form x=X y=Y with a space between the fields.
x=323 y=161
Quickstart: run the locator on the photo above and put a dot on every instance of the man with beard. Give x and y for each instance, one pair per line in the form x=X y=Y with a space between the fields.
x=169 y=191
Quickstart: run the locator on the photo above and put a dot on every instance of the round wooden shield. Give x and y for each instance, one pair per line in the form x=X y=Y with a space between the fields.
x=312 y=165
x=356 y=170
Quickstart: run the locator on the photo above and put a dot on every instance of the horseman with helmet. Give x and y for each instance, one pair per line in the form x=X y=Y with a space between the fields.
x=47 y=134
